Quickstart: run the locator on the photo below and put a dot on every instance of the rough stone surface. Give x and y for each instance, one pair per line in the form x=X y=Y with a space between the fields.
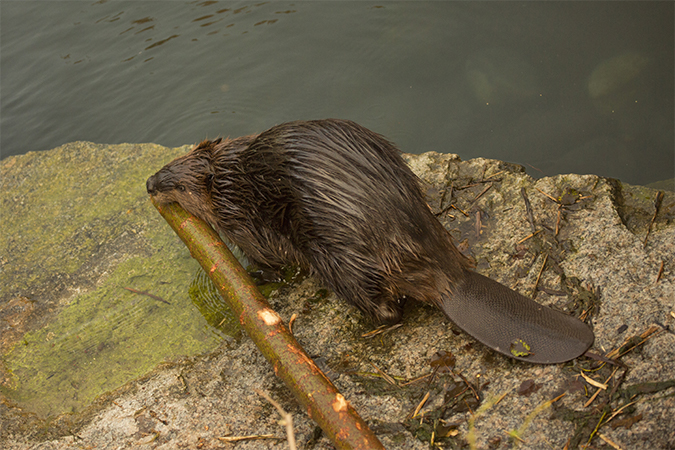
x=597 y=255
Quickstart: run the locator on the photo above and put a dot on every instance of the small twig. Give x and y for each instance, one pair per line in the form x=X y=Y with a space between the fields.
x=415 y=380
x=135 y=291
x=421 y=404
x=501 y=397
x=463 y=212
x=618 y=411
x=467 y=186
x=536 y=168
x=619 y=382
x=445 y=191
x=552 y=292
x=374 y=332
x=469 y=385
x=494 y=175
x=584 y=314
x=291 y=321
x=592 y=382
x=448 y=208
x=595 y=430
x=609 y=441
x=482 y=193
x=476 y=183
x=658 y=275
x=381 y=330
x=636 y=345
x=541 y=271
x=443 y=211
x=600 y=389
x=479 y=224
x=252 y=437
x=657 y=206
x=552 y=198
x=528 y=237
x=468 y=407
x=286 y=419
x=528 y=209
x=386 y=377
x=558 y=397
x=557 y=223
x=644 y=336
x=515 y=436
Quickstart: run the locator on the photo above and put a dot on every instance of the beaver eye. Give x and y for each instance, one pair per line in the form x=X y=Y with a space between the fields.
x=181 y=188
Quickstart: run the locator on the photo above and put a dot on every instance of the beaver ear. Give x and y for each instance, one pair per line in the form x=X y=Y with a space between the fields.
x=205 y=150
x=203 y=144
x=217 y=141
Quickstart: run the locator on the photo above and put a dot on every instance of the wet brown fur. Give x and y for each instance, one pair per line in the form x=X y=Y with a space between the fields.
x=328 y=195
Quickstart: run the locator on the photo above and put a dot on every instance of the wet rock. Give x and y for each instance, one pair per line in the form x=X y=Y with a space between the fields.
x=65 y=257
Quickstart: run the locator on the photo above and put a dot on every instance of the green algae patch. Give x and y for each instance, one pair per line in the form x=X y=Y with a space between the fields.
x=107 y=337
x=78 y=228
x=62 y=207
x=211 y=305
x=217 y=311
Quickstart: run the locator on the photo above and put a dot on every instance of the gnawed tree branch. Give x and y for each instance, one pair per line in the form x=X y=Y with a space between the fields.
x=324 y=404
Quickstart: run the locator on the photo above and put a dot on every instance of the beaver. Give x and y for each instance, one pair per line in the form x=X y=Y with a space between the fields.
x=339 y=201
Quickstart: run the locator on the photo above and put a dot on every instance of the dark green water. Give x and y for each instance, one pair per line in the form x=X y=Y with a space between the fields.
x=560 y=87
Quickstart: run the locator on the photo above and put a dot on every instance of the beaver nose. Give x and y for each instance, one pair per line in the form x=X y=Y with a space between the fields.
x=151 y=185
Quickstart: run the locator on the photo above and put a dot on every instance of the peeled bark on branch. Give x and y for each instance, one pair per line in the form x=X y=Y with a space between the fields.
x=324 y=404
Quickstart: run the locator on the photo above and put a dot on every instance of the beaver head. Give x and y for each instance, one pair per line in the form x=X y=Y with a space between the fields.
x=188 y=180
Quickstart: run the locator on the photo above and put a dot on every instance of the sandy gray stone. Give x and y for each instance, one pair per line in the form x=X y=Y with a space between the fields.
x=598 y=255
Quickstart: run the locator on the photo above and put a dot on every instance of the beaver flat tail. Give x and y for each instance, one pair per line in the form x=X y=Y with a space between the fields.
x=513 y=324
